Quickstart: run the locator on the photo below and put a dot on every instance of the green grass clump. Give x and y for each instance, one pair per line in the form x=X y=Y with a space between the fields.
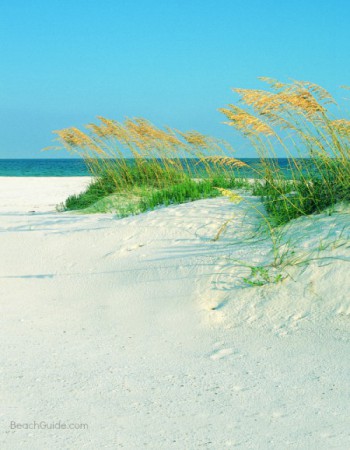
x=137 y=167
x=95 y=191
x=118 y=180
x=140 y=195
x=319 y=189
x=294 y=118
x=186 y=191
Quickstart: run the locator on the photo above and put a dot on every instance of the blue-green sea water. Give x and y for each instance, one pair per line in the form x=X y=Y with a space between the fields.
x=77 y=167
x=43 y=168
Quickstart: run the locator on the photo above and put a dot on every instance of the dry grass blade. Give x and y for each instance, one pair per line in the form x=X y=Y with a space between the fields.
x=224 y=161
x=245 y=122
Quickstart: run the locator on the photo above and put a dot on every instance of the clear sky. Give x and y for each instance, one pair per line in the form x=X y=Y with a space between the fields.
x=64 y=62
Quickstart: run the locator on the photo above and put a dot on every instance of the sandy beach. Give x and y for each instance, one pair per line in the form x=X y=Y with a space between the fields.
x=142 y=331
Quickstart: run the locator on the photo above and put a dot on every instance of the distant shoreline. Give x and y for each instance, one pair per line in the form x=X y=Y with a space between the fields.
x=76 y=167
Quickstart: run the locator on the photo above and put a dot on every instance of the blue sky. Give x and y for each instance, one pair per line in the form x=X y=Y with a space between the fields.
x=65 y=62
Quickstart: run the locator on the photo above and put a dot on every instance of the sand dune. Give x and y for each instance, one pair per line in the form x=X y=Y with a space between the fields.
x=144 y=329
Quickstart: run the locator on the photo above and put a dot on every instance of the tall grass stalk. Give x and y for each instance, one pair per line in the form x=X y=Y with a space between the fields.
x=295 y=118
x=152 y=165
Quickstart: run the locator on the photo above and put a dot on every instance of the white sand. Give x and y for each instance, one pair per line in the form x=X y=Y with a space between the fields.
x=27 y=194
x=111 y=323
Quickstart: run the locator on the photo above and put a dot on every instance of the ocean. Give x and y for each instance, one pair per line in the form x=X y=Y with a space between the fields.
x=78 y=168
x=43 y=168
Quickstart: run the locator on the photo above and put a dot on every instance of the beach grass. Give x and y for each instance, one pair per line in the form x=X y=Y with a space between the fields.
x=138 y=167
x=103 y=196
x=294 y=119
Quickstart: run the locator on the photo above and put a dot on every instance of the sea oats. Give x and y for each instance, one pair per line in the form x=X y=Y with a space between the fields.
x=245 y=122
x=275 y=84
x=301 y=100
x=296 y=114
x=319 y=92
x=196 y=139
x=341 y=126
x=261 y=101
x=224 y=161
x=112 y=128
x=100 y=131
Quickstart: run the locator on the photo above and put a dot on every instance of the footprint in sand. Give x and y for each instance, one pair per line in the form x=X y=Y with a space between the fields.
x=219 y=354
x=291 y=323
x=134 y=247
